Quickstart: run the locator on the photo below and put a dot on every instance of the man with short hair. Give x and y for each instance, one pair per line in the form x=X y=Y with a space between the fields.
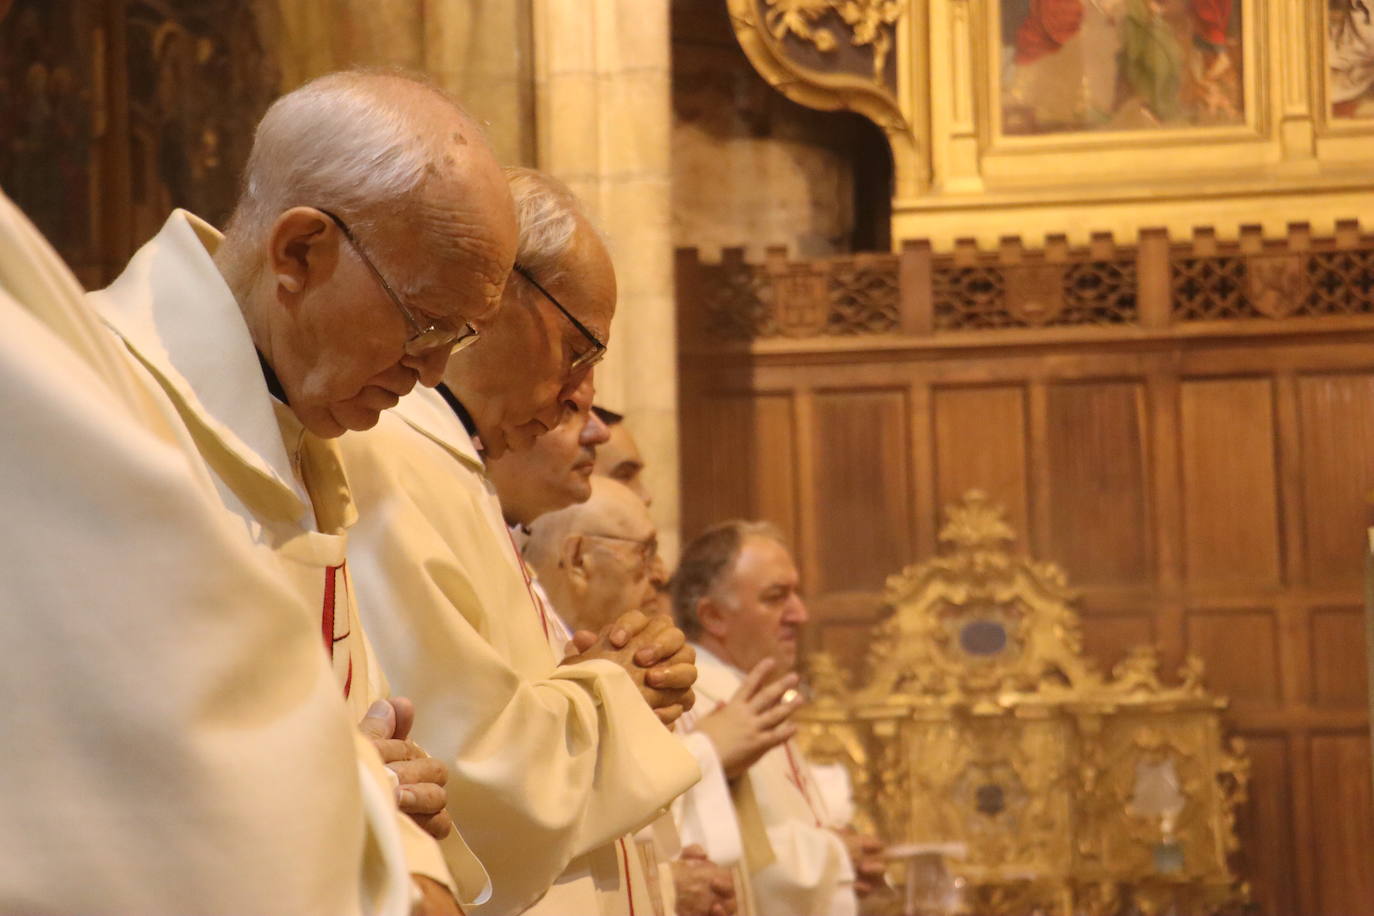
x=619 y=459
x=556 y=470
x=736 y=594
x=372 y=237
x=551 y=764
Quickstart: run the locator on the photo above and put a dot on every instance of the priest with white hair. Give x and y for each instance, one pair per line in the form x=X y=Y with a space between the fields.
x=177 y=740
x=553 y=761
x=373 y=236
x=601 y=555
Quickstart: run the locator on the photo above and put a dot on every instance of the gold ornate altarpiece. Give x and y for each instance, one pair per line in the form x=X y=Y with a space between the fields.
x=982 y=724
x=931 y=74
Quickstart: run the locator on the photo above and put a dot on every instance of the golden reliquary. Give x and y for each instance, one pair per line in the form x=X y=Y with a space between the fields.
x=984 y=731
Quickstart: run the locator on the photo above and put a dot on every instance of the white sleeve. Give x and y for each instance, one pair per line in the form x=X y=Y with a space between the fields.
x=705 y=814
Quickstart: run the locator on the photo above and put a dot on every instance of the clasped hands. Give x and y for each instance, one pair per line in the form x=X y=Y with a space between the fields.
x=652 y=651
x=420 y=778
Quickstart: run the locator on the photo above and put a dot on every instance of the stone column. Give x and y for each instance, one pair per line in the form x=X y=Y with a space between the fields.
x=480 y=51
x=603 y=125
x=318 y=36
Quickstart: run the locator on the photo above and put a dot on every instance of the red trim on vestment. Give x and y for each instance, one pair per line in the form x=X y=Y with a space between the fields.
x=629 y=887
x=327 y=622
x=529 y=586
x=800 y=781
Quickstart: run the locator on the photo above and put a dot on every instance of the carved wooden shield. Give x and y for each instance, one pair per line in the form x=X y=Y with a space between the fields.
x=1035 y=292
x=1277 y=285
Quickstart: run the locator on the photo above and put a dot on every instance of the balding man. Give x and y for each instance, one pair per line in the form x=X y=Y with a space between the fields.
x=373 y=237
x=600 y=556
x=736 y=593
x=551 y=764
x=177 y=741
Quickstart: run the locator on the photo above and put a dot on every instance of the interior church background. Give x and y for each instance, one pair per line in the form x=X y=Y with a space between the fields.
x=1109 y=263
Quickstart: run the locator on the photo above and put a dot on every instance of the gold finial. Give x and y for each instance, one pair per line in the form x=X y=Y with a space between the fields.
x=976 y=524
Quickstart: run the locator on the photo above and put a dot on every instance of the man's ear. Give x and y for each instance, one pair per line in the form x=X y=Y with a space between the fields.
x=298 y=252
x=712 y=615
x=572 y=558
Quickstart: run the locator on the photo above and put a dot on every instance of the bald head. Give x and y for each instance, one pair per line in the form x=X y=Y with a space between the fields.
x=374 y=226
x=596 y=558
x=381 y=149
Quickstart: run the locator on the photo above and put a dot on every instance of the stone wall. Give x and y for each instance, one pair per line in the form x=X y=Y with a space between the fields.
x=752 y=168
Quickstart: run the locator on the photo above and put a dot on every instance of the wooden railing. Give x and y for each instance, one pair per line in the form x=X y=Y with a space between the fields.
x=1153 y=284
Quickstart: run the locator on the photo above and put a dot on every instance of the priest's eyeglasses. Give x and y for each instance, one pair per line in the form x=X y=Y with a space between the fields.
x=647 y=547
x=585 y=359
x=424 y=338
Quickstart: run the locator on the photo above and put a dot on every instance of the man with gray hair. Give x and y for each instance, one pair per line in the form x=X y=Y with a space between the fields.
x=553 y=760
x=373 y=236
x=736 y=594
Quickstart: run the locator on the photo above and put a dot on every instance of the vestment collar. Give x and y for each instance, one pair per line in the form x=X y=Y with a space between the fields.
x=174 y=311
x=427 y=412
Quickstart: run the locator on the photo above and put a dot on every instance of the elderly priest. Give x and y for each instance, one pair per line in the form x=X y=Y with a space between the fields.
x=373 y=231
x=552 y=764
x=176 y=740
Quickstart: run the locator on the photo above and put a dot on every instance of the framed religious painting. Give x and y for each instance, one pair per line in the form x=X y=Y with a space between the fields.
x=1350 y=59
x=1068 y=67
x=1089 y=118
x=1105 y=85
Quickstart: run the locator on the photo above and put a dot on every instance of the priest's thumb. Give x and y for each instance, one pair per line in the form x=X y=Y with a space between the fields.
x=380 y=721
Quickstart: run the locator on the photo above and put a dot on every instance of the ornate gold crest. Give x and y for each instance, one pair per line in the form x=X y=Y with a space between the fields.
x=983 y=726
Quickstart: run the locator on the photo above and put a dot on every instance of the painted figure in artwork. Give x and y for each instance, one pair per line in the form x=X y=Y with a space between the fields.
x=1078 y=65
x=1350 y=55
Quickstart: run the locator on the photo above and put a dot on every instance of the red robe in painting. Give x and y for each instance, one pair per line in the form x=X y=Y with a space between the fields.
x=1048 y=25
x=1212 y=19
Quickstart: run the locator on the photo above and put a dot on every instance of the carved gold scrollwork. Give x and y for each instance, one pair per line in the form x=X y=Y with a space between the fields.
x=983 y=727
x=868 y=22
x=833 y=55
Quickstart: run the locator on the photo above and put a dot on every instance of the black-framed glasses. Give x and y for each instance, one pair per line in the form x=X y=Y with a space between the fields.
x=424 y=338
x=582 y=360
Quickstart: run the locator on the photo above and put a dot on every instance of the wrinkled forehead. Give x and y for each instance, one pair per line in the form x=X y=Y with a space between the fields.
x=763 y=562
x=586 y=282
x=464 y=246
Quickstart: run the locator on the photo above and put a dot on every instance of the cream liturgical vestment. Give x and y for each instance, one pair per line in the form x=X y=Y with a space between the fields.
x=175 y=740
x=549 y=764
x=808 y=872
x=283 y=485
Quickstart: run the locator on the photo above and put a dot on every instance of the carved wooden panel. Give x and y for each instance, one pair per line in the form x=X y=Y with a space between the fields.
x=1343 y=809
x=860 y=439
x=1337 y=431
x=1097 y=486
x=1231 y=519
x=1265 y=823
x=1205 y=479
x=751 y=469
x=1340 y=670
x=1241 y=648
x=980 y=442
